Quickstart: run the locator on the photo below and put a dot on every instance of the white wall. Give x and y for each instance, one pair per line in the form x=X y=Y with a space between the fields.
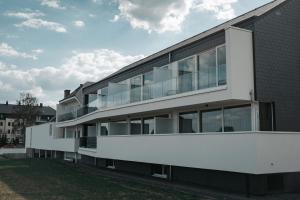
x=254 y=153
x=39 y=137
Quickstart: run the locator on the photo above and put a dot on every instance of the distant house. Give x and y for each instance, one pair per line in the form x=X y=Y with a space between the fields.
x=8 y=116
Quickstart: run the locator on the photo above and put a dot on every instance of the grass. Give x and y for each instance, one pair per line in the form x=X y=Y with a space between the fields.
x=49 y=179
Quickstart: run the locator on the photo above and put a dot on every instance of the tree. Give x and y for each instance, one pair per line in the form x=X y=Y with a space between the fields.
x=26 y=112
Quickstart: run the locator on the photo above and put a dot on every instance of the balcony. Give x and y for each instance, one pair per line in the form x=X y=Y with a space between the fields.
x=88 y=142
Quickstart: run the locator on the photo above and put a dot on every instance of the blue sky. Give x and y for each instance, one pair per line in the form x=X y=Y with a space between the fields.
x=47 y=46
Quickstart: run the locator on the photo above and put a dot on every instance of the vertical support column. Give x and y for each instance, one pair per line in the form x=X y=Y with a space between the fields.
x=46 y=152
x=55 y=155
x=39 y=153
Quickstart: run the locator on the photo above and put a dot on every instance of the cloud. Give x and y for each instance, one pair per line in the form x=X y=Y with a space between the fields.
x=9 y=51
x=25 y=15
x=52 y=4
x=79 y=23
x=169 y=15
x=222 y=9
x=40 y=23
x=48 y=83
x=33 y=20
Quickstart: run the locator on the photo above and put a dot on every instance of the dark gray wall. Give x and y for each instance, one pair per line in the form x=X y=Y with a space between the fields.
x=277 y=63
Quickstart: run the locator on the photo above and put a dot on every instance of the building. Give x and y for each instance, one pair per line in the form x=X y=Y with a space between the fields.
x=220 y=109
x=8 y=117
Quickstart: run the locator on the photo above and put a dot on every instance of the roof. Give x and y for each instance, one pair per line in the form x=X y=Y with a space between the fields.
x=10 y=109
x=74 y=93
x=256 y=12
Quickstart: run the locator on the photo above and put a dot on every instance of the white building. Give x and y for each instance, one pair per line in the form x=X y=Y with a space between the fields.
x=220 y=109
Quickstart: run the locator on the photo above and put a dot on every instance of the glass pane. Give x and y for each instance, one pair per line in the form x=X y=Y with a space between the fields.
x=148 y=126
x=147 y=83
x=207 y=69
x=102 y=97
x=222 y=65
x=104 y=128
x=136 y=127
x=136 y=89
x=188 y=122
x=211 y=121
x=118 y=128
x=186 y=71
x=237 y=119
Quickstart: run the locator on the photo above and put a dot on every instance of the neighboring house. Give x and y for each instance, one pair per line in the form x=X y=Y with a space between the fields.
x=8 y=116
x=220 y=109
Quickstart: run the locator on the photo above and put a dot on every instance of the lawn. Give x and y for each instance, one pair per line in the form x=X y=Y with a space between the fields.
x=49 y=179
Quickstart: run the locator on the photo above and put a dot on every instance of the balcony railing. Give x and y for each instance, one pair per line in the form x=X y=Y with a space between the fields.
x=158 y=88
x=66 y=116
x=88 y=142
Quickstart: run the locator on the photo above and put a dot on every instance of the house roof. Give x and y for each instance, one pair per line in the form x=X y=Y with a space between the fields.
x=10 y=109
x=256 y=12
x=75 y=92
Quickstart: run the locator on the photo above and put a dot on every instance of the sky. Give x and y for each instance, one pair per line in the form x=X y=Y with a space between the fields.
x=47 y=46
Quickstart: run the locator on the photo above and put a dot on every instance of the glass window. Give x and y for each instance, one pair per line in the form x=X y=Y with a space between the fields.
x=237 y=119
x=136 y=89
x=186 y=71
x=211 y=121
x=148 y=85
x=103 y=94
x=148 y=125
x=104 y=129
x=136 y=127
x=207 y=69
x=221 y=52
x=118 y=128
x=188 y=122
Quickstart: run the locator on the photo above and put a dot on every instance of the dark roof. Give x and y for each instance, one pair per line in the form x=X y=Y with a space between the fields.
x=254 y=13
x=74 y=93
x=10 y=109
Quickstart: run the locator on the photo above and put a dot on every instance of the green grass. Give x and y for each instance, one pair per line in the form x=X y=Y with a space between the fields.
x=49 y=179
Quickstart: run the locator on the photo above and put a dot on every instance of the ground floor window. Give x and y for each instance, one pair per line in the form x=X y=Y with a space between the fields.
x=160 y=171
x=188 y=122
x=110 y=164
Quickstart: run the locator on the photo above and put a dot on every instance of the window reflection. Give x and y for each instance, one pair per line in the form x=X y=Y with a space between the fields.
x=188 y=122
x=211 y=121
x=237 y=119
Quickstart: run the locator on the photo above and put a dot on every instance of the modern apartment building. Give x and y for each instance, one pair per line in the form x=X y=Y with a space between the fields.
x=8 y=117
x=220 y=109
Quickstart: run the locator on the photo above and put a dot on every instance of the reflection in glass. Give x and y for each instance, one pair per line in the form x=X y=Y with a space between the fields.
x=207 y=69
x=136 y=127
x=148 y=126
x=147 y=85
x=136 y=89
x=188 y=122
x=211 y=121
x=237 y=119
x=104 y=129
x=221 y=51
x=186 y=71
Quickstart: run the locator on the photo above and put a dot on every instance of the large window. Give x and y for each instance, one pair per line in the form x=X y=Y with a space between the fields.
x=237 y=119
x=102 y=97
x=136 y=89
x=148 y=125
x=118 y=128
x=104 y=129
x=211 y=121
x=186 y=75
x=221 y=54
x=135 y=126
x=148 y=85
x=212 y=68
x=188 y=122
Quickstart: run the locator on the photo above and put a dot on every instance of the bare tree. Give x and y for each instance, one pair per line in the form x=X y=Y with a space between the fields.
x=26 y=112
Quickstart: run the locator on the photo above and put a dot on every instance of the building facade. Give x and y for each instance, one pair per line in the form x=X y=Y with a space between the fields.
x=8 y=117
x=220 y=109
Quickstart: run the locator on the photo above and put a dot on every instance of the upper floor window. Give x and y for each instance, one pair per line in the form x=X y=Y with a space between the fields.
x=8 y=124
x=136 y=89
x=186 y=75
x=212 y=68
x=188 y=122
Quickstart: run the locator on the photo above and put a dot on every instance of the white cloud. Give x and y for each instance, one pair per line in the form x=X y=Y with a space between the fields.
x=25 y=15
x=52 y=4
x=48 y=83
x=79 y=23
x=169 y=15
x=33 y=20
x=38 y=51
x=9 y=51
x=40 y=23
x=222 y=9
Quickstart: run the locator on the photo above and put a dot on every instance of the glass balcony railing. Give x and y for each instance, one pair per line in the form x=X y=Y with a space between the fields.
x=88 y=142
x=187 y=82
